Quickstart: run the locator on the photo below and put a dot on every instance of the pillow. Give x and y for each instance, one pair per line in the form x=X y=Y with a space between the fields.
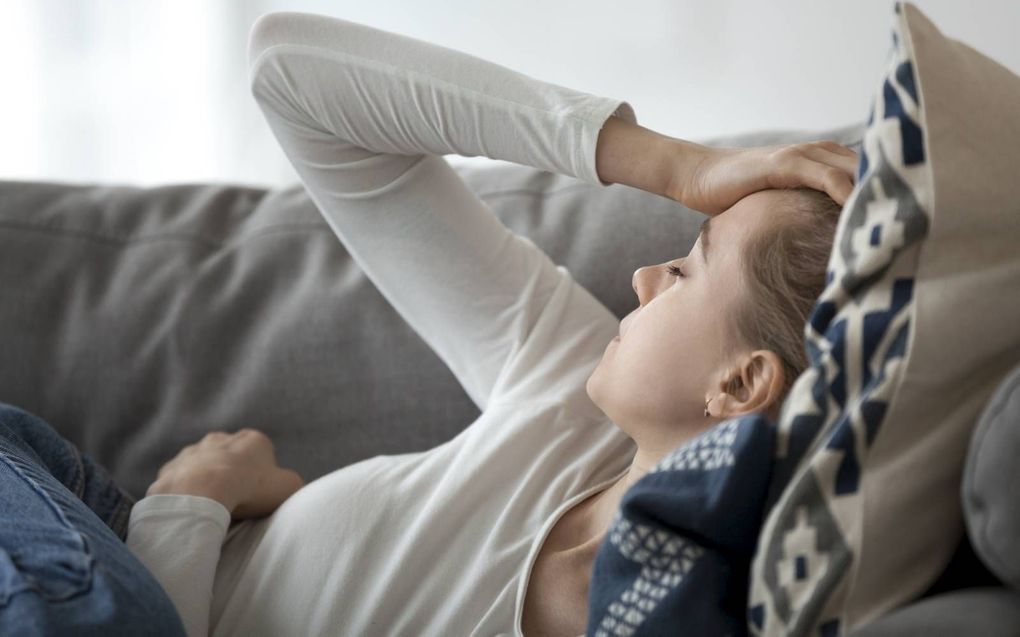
x=916 y=327
x=991 y=482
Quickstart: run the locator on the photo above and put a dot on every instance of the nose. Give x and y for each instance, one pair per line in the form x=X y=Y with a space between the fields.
x=646 y=282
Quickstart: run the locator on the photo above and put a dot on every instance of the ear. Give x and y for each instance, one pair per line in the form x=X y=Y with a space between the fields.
x=755 y=385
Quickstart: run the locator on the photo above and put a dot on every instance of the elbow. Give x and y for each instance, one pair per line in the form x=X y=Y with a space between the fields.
x=269 y=30
x=264 y=34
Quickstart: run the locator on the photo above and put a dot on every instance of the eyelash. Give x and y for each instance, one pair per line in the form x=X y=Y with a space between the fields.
x=675 y=271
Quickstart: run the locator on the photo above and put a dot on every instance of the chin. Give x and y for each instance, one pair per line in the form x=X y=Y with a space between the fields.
x=594 y=388
x=588 y=388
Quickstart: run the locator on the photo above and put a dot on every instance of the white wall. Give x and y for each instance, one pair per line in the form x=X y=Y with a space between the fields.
x=123 y=91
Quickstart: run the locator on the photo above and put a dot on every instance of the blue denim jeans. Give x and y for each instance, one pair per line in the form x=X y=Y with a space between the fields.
x=64 y=567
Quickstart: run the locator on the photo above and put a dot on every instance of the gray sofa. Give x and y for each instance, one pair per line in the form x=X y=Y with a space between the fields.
x=137 y=319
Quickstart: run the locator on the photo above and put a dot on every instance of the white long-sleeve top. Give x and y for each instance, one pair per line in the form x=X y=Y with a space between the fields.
x=439 y=542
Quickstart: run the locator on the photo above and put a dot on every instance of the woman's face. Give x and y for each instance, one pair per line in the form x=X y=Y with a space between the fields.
x=653 y=382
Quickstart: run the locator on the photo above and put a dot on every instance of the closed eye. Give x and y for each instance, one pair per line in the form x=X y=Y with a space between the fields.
x=675 y=271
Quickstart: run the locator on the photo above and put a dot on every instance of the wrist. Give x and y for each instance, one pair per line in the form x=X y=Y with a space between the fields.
x=630 y=154
x=205 y=485
x=685 y=159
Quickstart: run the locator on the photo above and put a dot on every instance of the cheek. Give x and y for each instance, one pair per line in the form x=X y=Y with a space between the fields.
x=648 y=357
x=640 y=380
x=671 y=349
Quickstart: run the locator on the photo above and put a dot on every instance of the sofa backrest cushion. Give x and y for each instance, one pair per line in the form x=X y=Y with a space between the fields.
x=991 y=483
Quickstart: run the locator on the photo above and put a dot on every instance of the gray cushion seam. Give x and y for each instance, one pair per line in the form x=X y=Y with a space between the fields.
x=166 y=236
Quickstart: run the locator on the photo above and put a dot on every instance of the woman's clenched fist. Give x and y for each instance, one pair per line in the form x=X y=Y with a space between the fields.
x=238 y=470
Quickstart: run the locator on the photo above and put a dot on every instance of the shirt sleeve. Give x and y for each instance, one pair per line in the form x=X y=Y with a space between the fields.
x=179 y=538
x=364 y=116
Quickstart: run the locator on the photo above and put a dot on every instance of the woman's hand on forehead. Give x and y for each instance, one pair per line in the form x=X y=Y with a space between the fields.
x=711 y=179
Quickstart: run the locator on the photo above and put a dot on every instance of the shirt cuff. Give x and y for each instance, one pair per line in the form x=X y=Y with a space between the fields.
x=605 y=108
x=198 y=505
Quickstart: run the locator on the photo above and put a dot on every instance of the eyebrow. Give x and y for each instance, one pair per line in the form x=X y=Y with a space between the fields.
x=703 y=233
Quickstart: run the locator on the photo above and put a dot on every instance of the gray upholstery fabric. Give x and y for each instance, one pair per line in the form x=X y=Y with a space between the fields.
x=991 y=483
x=988 y=612
x=137 y=319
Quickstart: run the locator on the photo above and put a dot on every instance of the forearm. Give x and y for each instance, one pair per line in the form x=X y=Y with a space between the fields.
x=178 y=539
x=630 y=154
x=388 y=93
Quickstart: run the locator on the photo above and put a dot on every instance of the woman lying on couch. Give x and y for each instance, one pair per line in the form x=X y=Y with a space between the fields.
x=497 y=530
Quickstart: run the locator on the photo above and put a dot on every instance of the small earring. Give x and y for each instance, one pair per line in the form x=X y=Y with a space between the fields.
x=706 y=407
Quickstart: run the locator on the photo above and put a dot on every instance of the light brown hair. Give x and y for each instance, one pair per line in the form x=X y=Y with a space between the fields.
x=785 y=270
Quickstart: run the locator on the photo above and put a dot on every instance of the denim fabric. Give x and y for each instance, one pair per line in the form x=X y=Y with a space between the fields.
x=64 y=568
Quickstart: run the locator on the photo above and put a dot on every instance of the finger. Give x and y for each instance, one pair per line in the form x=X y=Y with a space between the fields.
x=255 y=445
x=254 y=434
x=836 y=147
x=296 y=480
x=272 y=489
x=846 y=191
x=847 y=163
x=837 y=184
x=284 y=484
x=831 y=180
x=253 y=439
x=839 y=188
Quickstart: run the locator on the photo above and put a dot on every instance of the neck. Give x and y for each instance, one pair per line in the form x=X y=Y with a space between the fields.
x=598 y=514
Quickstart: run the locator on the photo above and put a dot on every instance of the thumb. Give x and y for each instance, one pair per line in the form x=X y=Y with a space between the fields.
x=288 y=481
x=274 y=488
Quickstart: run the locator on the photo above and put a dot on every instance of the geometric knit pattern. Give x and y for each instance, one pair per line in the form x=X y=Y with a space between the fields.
x=665 y=560
x=680 y=545
x=704 y=453
x=857 y=338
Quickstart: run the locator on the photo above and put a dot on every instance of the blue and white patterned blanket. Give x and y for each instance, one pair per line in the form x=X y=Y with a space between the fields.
x=677 y=555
